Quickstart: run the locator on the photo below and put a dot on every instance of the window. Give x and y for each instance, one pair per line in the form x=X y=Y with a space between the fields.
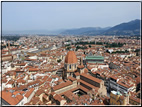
x=75 y=65
x=65 y=66
x=70 y=66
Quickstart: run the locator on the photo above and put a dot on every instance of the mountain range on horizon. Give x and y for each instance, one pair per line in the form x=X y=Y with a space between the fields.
x=127 y=28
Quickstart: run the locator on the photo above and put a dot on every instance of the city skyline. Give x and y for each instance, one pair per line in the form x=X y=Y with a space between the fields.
x=71 y=53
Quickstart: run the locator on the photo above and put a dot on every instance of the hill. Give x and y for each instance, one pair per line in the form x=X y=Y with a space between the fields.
x=85 y=31
x=129 y=28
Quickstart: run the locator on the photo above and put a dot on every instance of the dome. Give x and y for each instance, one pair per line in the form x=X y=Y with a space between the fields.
x=71 y=57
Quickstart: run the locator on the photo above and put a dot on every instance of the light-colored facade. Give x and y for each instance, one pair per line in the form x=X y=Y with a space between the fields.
x=116 y=98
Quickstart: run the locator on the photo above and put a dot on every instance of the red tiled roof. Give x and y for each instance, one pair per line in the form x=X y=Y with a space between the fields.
x=40 y=91
x=113 y=77
x=45 y=96
x=135 y=99
x=77 y=73
x=6 y=55
x=33 y=69
x=91 y=86
x=91 y=78
x=16 y=92
x=123 y=84
x=83 y=88
x=80 y=66
x=85 y=70
x=28 y=93
x=58 y=97
x=21 y=87
x=71 y=78
x=62 y=85
x=71 y=57
x=7 y=96
x=21 y=64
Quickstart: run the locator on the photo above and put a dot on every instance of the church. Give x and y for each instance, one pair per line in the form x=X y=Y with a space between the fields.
x=70 y=65
x=77 y=80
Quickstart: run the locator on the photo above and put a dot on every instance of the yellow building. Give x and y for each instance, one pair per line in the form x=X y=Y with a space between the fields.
x=116 y=98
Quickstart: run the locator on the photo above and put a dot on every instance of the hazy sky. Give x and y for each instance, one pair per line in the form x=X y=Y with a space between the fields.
x=64 y=15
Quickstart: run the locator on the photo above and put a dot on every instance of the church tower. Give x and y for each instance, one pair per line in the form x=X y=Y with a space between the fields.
x=70 y=65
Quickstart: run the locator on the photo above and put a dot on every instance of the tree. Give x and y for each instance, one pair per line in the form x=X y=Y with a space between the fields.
x=59 y=60
x=68 y=48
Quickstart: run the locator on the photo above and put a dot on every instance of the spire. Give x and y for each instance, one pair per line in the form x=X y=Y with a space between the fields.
x=9 y=47
x=81 y=61
x=6 y=45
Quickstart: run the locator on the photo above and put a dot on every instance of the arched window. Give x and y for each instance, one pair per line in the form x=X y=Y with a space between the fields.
x=70 y=66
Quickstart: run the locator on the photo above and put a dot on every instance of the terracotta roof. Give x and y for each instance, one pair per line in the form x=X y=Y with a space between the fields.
x=73 y=89
x=124 y=84
x=91 y=78
x=7 y=96
x=10 y=82
x=4 y=50
x=28 y=93
x=52 y=93
x=58 y=97
x=55 y=76
x=21 y=64
x=89 y=85
x=62 y=85
x=60 y=80
x=71 y=57
x=96 y=102
x=135 y=99
x=71 y=78
x=77 y=73
x=47 y=92
x=22 y=92
x=35 y=100
x=33 y=69
x=83 y=88
x=85 y=70
x=21 y=81
x=45 y=96
x=21 y=87
x=28 y=67
x=68 y=94
x=80 y=66
x=71 y=70
x=113 y=77
x=40 y=91
x=19 y=70
x=6 y=55
x=16 y=92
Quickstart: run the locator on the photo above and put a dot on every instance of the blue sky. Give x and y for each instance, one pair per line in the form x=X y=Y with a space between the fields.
x=65 y=15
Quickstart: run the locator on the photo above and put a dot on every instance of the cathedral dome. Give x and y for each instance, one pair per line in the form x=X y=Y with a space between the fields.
x=71 y=57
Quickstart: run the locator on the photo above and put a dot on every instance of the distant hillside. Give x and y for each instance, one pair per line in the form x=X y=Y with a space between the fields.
x=85 y=31
x=129 y=28
x=54 y=32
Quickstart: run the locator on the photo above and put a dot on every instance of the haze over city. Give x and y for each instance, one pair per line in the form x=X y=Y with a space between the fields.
x=19 y=16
